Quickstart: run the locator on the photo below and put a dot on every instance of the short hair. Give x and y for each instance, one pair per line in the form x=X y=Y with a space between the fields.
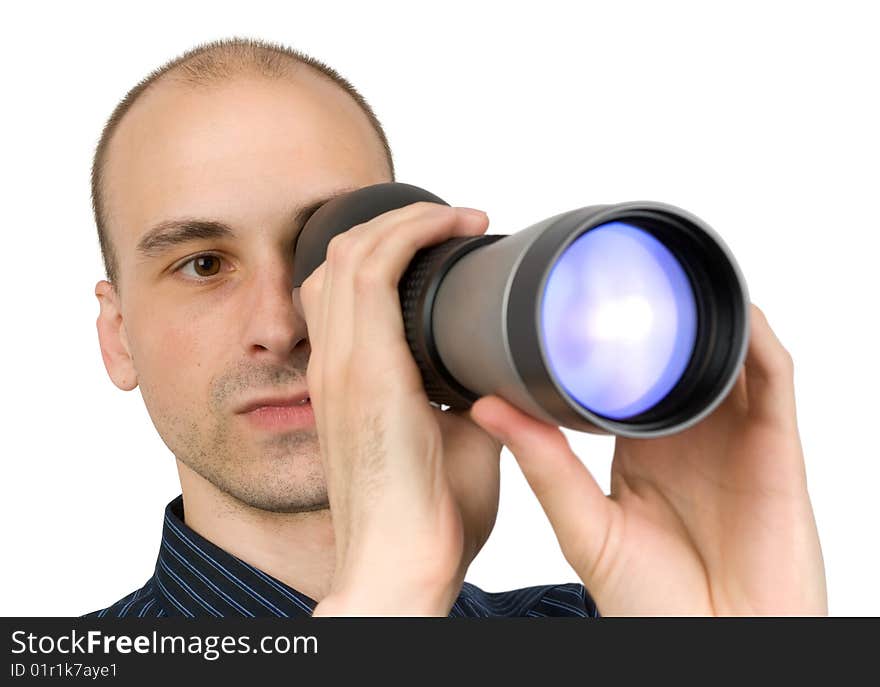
x=208 y=63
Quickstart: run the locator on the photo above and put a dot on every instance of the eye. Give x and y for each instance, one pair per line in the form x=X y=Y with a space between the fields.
x=201 y=266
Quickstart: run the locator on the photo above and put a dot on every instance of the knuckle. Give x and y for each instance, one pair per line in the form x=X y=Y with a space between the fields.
x=786 y=360
x=310 y=285
x=442 y=211
x=427 y=209
x=782 y=359
x=306 y=297
x=343 y=248
x=337 y=248
x=428 y=206
x=781 y=363
x=369 y=276
x=758 y=313
x=419 y=211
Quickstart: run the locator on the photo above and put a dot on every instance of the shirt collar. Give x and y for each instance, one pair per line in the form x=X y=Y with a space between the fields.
x=197 y=578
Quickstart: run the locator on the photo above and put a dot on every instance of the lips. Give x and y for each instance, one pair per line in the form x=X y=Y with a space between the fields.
x=280 y=401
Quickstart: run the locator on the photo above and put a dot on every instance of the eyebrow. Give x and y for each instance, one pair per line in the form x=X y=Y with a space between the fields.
x=175 y=232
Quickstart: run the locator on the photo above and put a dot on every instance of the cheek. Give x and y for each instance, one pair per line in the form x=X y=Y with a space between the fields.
x=176 y=358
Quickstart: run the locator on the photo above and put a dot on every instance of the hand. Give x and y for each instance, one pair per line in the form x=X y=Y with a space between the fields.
x=413 y=489
x=714 y=520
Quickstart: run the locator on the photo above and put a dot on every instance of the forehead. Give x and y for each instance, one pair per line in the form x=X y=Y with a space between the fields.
x=234 y=150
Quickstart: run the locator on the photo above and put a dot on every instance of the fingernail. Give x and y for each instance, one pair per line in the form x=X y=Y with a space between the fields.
x=473 y=211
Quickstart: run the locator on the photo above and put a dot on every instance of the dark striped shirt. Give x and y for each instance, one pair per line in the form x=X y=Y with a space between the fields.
x=193 y=577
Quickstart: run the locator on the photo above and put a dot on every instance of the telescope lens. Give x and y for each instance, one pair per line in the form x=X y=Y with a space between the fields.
x=618 y=320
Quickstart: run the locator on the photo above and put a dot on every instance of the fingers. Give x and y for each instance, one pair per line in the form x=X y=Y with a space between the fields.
x=416 y=226
x=310 y=302
x=358 y=306
x=571 y=498
x=769 y=373
x=378 y=251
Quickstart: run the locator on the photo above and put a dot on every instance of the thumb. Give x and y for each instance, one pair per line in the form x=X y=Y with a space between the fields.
x=571 y=498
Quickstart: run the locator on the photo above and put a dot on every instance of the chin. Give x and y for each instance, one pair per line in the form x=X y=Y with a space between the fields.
x=272 y=493
x=272 y=504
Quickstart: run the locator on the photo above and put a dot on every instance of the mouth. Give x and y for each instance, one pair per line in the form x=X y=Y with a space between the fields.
x=299 y=399
x=280 y=413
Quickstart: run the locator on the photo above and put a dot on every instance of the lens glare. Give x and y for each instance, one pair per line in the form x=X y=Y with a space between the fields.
x=618 y=320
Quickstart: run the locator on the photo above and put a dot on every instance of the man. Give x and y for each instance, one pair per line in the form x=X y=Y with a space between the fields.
x=204 y=176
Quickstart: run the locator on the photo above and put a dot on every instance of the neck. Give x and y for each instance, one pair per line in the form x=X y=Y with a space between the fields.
x=297 y=548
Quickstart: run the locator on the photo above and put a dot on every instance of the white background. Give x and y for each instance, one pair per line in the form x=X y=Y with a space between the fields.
x=762 y=118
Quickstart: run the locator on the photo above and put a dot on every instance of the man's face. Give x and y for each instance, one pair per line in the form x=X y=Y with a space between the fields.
x=206 y=336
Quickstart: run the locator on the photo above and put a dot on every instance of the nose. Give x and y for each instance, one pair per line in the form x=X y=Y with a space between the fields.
x=274 y=324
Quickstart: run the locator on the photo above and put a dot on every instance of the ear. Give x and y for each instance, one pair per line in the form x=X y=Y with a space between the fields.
x=113 y=340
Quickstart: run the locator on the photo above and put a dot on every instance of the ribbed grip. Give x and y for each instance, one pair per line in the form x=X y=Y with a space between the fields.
x=417 y=288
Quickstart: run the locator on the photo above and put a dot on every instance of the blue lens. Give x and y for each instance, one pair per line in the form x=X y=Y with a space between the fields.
x=618 y=320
